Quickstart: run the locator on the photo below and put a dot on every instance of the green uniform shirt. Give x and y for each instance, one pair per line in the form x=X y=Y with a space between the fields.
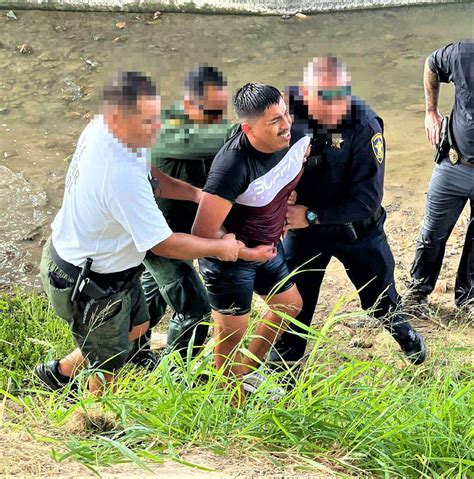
x=185 y=150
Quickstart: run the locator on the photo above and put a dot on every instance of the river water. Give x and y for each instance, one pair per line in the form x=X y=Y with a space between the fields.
x=48 y=95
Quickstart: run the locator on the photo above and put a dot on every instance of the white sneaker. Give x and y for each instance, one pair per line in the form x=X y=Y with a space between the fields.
x=254 y=380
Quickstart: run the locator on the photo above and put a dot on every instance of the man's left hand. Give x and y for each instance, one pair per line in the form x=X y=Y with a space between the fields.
x=296 y=218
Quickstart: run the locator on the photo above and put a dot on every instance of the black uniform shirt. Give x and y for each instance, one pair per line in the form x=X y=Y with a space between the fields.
x=348 y=184
x=455 y=63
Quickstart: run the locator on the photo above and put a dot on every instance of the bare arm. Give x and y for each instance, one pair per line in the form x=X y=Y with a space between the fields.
x=432 y=118
x=184 y=246
x=174 y=189
x=210 y=217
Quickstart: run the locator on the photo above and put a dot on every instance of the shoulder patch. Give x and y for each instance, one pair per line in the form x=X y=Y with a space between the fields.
x=378 y=147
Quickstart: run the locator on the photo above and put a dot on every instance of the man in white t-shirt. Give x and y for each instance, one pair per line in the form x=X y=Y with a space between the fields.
x=108 y=220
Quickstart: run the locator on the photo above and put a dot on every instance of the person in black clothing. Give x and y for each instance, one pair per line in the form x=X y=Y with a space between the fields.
x=338 y=211
x=452 y=183
x=246 y=192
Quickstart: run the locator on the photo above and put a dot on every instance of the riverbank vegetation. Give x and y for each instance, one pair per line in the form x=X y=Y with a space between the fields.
x=342 y=414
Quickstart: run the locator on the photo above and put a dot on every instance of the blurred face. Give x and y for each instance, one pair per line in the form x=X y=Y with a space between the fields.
x=328 y=101
x=270 y=132
x=138 y=127
x=210 y=108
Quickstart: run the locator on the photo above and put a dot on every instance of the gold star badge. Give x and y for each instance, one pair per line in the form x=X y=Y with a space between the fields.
x=337 y=141
x=377 y=146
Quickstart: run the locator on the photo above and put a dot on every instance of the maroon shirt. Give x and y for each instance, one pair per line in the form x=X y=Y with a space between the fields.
x=258 y=184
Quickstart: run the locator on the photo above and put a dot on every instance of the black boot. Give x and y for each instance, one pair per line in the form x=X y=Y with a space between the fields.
x=414 y=298
x=411 y=342
x=141 y=354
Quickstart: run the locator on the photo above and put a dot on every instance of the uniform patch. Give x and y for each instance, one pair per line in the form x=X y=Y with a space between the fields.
x=176 y=122
x=377 y=146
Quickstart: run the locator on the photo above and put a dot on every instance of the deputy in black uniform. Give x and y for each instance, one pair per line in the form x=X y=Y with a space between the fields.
x=338 y=211
x=452 y=182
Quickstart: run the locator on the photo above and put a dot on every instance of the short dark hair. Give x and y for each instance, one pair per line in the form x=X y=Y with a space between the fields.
x=125 y=88
x=253 y=99
x=201 y=77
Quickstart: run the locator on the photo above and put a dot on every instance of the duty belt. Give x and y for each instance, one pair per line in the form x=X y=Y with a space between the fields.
x=98 y=283
x=447 y=146
x=456 y=159
x=466 y=163
x=364 y=224
x=348 y=231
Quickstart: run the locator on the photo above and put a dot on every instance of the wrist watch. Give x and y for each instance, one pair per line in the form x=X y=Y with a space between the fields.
x=311 y=217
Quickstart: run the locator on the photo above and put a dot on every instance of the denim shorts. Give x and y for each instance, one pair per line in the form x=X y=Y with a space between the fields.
x=230 y=285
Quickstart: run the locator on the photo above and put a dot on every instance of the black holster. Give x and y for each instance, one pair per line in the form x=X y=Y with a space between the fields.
x=442 y=148
x=94 y=285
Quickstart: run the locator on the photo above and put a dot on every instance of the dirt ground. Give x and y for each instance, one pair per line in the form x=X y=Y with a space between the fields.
x=23 y=456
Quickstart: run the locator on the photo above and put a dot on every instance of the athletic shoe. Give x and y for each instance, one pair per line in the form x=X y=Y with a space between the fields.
x=50 y=376
x=254 y=380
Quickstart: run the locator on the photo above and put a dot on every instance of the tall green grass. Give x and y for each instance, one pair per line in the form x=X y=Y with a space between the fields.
x=30 y=332
x=362 y=417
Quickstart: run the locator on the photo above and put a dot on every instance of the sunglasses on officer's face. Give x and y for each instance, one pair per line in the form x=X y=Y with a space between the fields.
x=337 y=94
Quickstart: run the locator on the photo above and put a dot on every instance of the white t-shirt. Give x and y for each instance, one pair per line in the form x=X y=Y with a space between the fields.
x=109 y=212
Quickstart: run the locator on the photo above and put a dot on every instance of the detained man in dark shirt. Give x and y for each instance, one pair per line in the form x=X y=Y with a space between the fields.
x=452 y=182
x=246 y=192
x=338 y=211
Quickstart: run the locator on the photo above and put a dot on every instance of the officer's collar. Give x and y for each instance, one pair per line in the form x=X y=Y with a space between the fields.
x=177 y=112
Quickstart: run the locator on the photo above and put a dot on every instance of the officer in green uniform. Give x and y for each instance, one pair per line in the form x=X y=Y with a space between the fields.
x=192 y=132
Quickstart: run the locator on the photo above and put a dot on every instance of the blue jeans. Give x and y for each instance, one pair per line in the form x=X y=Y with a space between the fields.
x=450 y=188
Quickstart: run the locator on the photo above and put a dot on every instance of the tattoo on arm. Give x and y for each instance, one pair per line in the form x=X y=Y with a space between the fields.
x=431 y=84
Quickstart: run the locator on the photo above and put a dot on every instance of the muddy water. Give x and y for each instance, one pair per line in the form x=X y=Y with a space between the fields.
x=48 y=95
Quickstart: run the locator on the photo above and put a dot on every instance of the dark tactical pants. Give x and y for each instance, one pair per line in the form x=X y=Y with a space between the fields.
x=175 y=283
x=100 y=327
x=369 y=264
x=450 y=188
